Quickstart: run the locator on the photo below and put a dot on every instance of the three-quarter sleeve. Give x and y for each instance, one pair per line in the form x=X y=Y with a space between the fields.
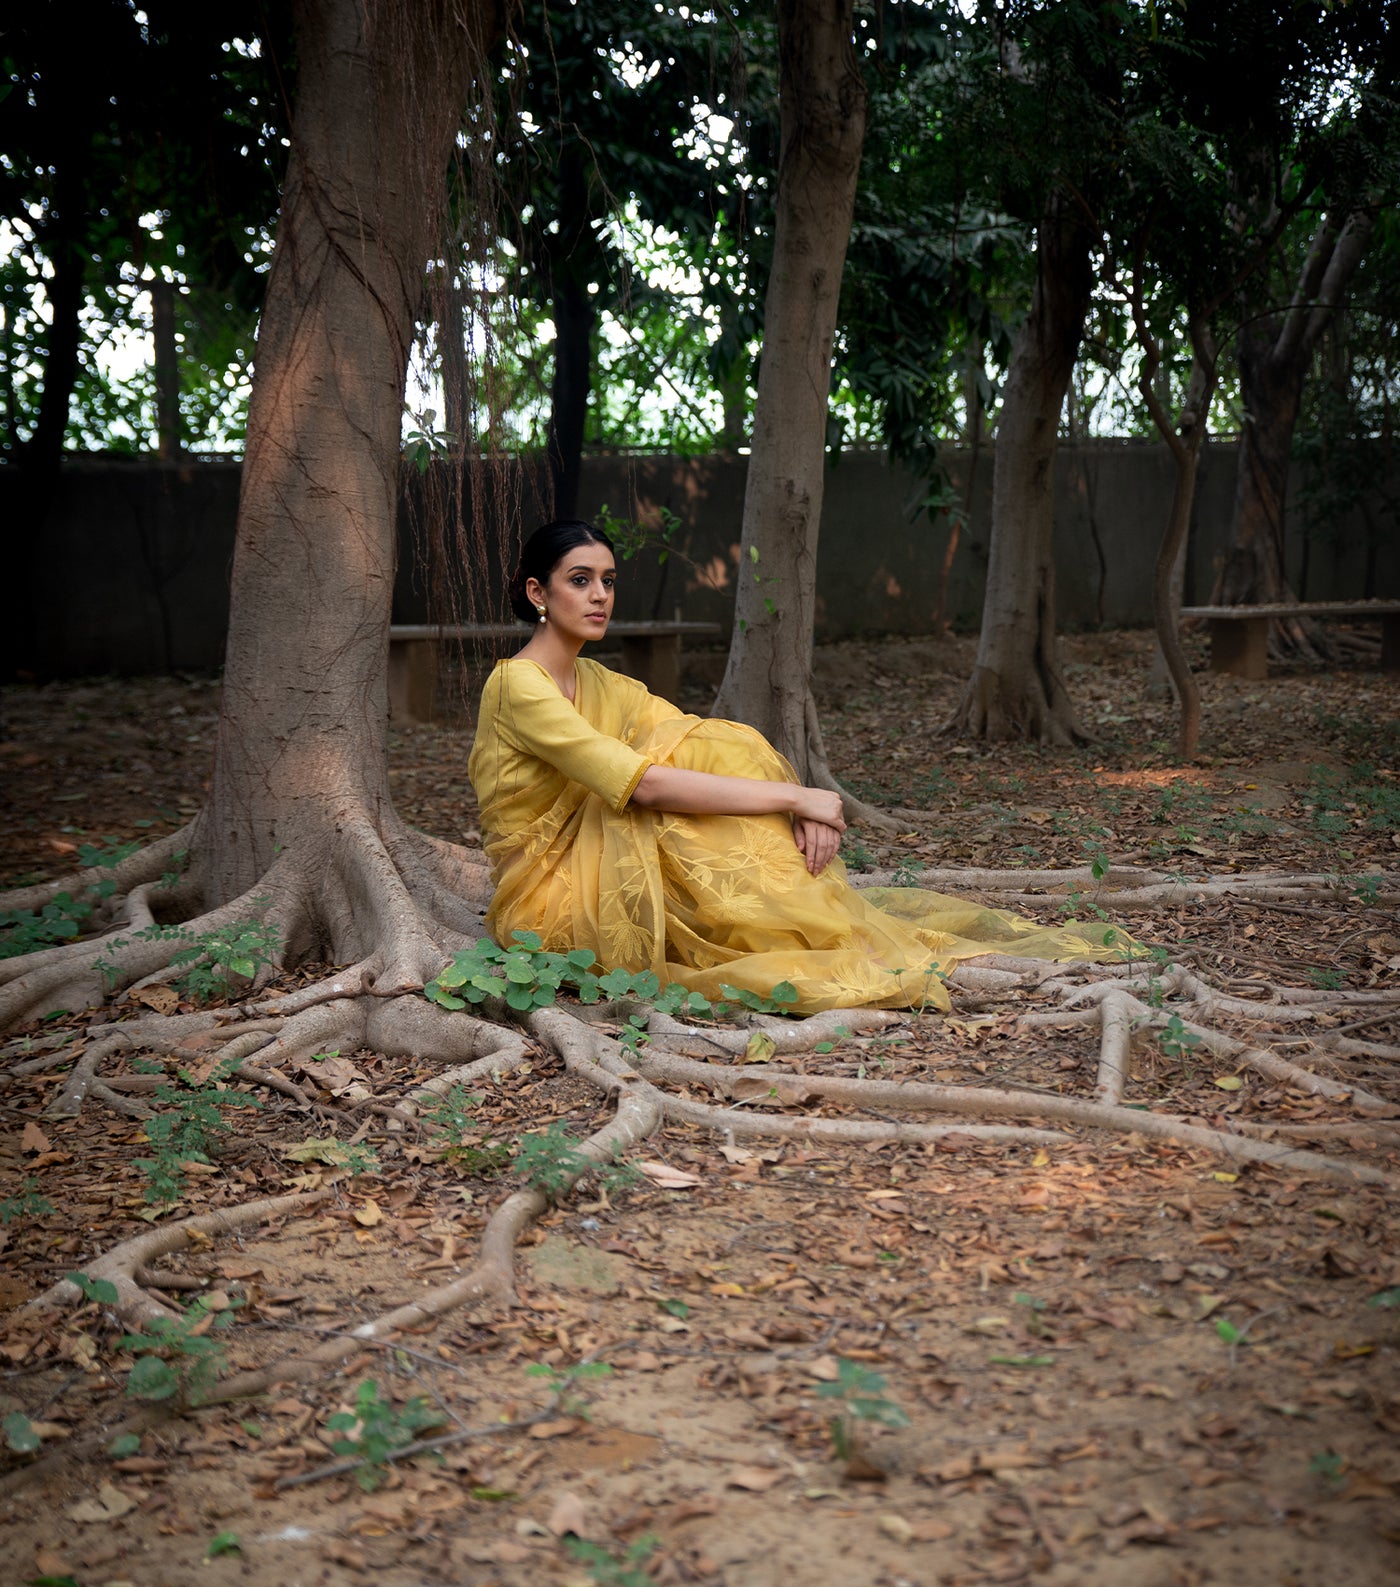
x=534 y=718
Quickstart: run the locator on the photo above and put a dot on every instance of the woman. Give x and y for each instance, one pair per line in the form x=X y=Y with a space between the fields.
x=661 y=841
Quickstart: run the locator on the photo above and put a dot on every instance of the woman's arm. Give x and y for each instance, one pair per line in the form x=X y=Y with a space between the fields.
x=703 y=793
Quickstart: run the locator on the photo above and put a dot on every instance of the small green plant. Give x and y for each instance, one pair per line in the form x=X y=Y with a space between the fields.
x=1175 y=1040
x=179 y=1357
x=211 y=960
x=423 y=442
x=563 y=1380
x=856 y=855
x=1329 y=1466
x=27 y=1204
x=376 y=1428
x=630 y=538
x=906 y=873
x=26 y=930
x=779 y=1001
x=608 y=1571
x=863 y=1402
x=451 y=1115
x=189 y=1128
x=223 y=1543
x=1326 y=977
x=1099 y=864
x=550 y=1161
x=215 y=958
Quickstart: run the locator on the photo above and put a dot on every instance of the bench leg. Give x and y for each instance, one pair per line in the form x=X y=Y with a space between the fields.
x=413 y=665
x=655 y=660
x=1240 y=646
x=1390 y=643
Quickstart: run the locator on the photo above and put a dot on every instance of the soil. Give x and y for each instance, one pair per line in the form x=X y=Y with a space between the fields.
x=1120 y=1361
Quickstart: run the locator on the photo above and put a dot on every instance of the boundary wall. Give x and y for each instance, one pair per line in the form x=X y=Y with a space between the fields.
x=130 y=571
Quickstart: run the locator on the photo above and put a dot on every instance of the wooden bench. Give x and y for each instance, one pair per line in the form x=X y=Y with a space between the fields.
x=1239 y=635
x=651 y=652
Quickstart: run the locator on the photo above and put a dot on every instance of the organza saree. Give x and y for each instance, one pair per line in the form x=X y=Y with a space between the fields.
x=707 y=901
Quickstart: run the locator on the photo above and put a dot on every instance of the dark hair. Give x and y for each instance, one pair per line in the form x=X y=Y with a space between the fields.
x=543 y=552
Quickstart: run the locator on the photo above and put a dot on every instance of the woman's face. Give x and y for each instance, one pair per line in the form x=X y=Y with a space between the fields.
x=578 y=595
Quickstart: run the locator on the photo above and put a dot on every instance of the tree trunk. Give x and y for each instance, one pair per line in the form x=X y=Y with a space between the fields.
x=767 y=680
x=1275 y=351
x=167 y=368
x=574 y=319
x=1184 y=441
x=1016 y=690
x=299 y=807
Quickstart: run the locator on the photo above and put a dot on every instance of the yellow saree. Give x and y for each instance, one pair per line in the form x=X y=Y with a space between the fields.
x=708 y=901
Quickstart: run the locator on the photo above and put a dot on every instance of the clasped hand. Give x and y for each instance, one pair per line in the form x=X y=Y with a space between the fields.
x=817 y=825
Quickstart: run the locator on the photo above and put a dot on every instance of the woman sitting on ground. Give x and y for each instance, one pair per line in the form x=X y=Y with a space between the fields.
x=684 y=845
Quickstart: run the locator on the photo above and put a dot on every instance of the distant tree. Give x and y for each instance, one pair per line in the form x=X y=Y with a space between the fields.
x=1300 y=99
x=1043 y=117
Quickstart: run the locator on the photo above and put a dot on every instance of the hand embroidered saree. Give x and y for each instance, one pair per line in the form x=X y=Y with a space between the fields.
x=708 y=901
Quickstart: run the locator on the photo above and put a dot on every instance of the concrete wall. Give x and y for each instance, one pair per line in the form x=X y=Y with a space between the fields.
x=130 y=574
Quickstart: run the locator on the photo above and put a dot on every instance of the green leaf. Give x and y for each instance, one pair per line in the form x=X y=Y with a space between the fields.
x=152 y=1379
x=676 y=1308
x=1227 y=1331
x=20 y=1434
x=1386 y=1297
x=124 y=1444
x=100 y=1290
x=223 y=1543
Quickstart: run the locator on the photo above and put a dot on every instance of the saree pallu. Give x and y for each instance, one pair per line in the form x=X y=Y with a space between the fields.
x=707 y=901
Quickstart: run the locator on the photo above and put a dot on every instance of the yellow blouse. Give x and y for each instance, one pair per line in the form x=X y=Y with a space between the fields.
x=708 y=901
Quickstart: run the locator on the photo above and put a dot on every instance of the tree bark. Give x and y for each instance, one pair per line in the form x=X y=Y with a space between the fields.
x=300 y=801
x=767 y=679
x=1275 y=350
x=574 y=319
x=167 y=368
x=1016 y=690
x=1184 y=439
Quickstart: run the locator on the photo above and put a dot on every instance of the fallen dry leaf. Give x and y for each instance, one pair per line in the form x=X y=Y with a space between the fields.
x=556 y=1429
x=160 y=999
x=568 y=1515
x=669 y=1178
x=107 y=1504
x=33 y=1139
x=754 y=1479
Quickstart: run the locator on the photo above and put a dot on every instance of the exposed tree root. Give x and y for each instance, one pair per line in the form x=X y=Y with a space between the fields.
x=121 y=1265
x=697 y=1075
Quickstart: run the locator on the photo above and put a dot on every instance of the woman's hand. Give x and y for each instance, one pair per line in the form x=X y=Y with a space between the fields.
x=820 y=805
x=817 y=842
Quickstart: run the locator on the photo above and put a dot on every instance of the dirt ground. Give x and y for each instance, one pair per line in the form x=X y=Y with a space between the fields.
x=1120 y=1361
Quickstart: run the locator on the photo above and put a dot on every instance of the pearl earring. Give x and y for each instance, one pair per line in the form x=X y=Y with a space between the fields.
x=541 y=611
